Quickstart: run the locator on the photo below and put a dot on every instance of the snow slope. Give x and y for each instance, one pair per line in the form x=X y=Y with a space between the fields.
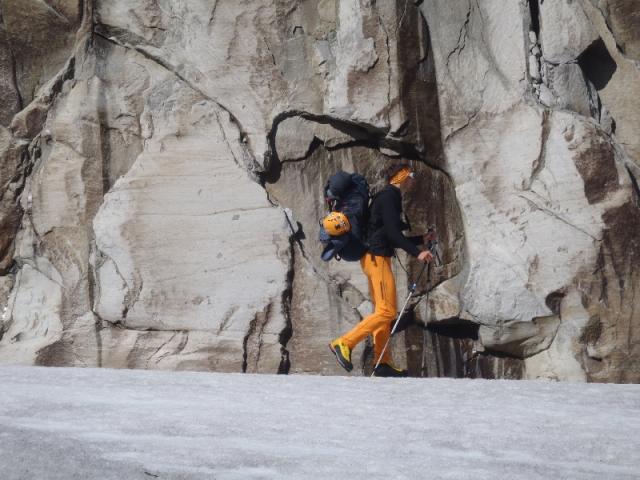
x=123 y=424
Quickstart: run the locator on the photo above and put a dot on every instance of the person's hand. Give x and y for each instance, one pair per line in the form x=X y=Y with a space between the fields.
x=430 y=236
x=425 y=256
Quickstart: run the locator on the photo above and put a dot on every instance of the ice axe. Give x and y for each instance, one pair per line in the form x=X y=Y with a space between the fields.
x=432 y=246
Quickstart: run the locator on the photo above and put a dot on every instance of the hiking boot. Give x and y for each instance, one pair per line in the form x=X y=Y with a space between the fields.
x=388 y=370
x=342 y=353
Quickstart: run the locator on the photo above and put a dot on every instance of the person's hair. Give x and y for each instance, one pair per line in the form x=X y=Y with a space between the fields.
x=390 y=171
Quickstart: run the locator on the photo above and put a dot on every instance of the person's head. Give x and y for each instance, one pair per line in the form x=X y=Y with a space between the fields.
x=401 y=175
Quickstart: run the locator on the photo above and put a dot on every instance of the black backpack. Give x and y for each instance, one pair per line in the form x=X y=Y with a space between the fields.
x=347 y=193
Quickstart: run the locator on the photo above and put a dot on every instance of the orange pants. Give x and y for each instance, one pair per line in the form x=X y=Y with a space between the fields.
x=382 y=288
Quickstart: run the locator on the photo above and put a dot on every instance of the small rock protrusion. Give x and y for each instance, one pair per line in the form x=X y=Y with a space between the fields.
x=546 y=96
x=606 y=121
x=389 y=152
x=534 y=69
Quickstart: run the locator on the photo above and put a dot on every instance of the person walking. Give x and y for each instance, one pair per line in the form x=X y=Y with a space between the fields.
x=384 y=236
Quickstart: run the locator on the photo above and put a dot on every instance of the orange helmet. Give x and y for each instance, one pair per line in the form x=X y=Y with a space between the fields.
x=336 y=223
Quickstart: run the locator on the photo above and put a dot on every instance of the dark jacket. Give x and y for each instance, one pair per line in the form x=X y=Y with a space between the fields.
x=385 y=225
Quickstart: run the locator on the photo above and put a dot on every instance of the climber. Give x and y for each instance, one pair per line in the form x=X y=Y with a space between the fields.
x=384 y=235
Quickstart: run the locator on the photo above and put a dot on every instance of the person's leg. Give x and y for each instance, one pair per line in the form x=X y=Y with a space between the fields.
x=383 y=293
x=381 y=335
x=340 y=348
x=388 y=310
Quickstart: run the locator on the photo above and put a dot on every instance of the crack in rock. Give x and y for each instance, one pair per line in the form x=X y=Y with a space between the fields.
x=111 y=34
x=404 y=13
x=363 y=134
x=14 y=77
x=57 y=12
x=462 y=37
x=29 y=122
x=555 y=215
x=458 y=130
x=226 y=318
x=634 y=182
x=163 y=345
x=287 y=295
x=131 y=296
x=540 y=162
x=388 y=48
x=212 y=16
x=253 y=342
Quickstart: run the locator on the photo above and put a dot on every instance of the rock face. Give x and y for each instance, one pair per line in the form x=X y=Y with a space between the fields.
x=162 y=166
x=541 y=199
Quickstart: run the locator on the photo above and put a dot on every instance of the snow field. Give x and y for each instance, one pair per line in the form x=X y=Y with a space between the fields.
x=62 y=423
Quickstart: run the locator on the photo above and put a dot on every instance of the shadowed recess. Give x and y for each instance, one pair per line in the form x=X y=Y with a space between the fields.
x=597 y=65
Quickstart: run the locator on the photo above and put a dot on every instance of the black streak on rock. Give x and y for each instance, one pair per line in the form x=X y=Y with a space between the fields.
x=597 y=167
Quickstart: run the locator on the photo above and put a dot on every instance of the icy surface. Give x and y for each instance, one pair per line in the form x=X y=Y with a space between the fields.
x=123 y=424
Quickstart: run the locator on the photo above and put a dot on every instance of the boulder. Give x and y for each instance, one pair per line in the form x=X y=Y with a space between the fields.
x=565 y=31
x=623 y=20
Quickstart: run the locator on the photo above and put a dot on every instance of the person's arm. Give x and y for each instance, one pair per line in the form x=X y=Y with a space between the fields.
x=425 y=255
x=416 y=239
x=423 y=239
x=392 y=229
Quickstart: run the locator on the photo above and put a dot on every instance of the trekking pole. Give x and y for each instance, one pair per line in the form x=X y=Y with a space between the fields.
x=412 y=289
x=423 y=365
